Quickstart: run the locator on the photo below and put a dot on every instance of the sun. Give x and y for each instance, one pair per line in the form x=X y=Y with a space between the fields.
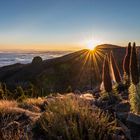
x=91 y=45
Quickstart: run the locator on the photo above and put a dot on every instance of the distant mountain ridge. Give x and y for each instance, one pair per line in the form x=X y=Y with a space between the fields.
x=108 y=46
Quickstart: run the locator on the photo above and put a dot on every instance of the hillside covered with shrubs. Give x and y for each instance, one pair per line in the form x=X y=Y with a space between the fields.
x=57 y=75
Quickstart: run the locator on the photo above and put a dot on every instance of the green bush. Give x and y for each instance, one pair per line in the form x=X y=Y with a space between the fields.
x=73 y=119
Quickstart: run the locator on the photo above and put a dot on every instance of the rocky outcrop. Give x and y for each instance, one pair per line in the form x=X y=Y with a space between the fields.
x=37 y=60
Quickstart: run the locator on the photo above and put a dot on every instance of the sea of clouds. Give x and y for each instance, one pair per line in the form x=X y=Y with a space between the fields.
x=8 y=58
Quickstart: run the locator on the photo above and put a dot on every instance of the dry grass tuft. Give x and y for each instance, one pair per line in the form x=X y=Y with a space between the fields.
x=15 y=122
x=71 y=118
x=34 y=104
x=4 y=104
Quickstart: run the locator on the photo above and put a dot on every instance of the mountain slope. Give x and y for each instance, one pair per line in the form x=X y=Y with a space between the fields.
x=56 y=75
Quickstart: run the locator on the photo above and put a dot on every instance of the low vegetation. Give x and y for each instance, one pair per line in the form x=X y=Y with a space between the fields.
x=67 y=117
x=71 y=118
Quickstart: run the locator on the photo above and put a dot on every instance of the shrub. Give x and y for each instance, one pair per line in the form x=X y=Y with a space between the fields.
x=6 y=93
x=4 y=104
x=13 y=123
x=34 y=104
x=72 y=118
x=9 y=128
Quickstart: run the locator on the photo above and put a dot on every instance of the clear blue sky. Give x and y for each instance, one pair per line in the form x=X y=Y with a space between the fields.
x=69 y=21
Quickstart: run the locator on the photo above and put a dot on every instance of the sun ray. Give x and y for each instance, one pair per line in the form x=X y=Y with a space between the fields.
x=89 y=63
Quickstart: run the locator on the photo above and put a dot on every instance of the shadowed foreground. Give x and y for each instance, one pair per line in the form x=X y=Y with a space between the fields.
x=56 y=117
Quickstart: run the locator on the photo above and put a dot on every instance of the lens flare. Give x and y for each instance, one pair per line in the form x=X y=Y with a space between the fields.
x=91 y=45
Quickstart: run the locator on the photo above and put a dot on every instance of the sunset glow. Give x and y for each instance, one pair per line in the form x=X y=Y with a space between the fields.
x=92 y=44
x=33 y=23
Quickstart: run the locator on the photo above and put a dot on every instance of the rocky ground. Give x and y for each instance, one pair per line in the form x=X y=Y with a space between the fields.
x=25 y=114
x=129 y=123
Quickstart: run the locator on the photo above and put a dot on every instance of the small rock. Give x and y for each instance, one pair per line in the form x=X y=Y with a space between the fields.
x=122 y=107
x=133 y=118
x=90 y=91
x=122 y=115
x=101 y=104
x=118 y=137
x=125 y=97
x=96 y=90
x=97 y=95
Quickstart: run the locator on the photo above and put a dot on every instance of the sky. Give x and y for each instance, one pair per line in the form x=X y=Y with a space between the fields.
x=67 y=24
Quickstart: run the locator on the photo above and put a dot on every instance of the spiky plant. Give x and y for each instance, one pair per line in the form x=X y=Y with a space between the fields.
x=134 y=66
x=126 y=61
x=134 y=89
x=106 y=77
x=114 y=68
x=134 y=97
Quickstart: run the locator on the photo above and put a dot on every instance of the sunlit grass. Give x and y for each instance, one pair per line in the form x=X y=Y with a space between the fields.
x=4 y=104
x=73 y=118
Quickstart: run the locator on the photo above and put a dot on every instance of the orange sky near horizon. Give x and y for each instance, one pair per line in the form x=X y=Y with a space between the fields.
x=41 y=47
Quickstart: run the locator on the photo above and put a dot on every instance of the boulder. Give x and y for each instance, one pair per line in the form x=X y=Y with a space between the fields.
x=133 y=122
x=133 y=119
x=122 y=116
x=101 y=104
